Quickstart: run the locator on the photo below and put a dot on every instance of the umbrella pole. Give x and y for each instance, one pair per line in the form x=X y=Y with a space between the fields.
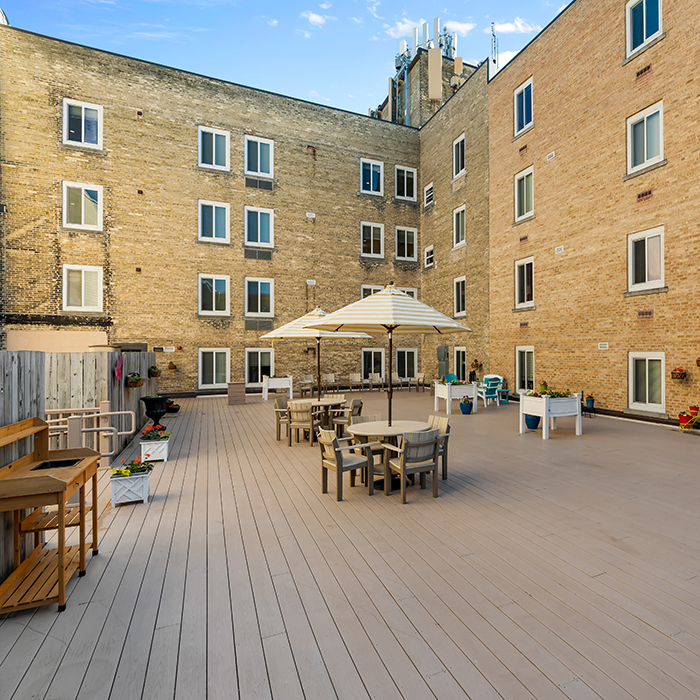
x=318 y=367
x=390 y=370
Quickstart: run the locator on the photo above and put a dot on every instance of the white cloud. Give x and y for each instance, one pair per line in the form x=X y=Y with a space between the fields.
x=304 y=33
x=372 y=9
x=313 y=93
x=316 y=20
x=325 y=6
x=403 y=28
x=517 y=26
x=273 y=22
x=358 y=20
x=461 y=28
x=374 y=38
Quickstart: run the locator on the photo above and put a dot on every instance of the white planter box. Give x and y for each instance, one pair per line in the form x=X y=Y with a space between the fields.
x=157 y=450
x=550 y=409
x=127 y=489
x=449 y=392
x=270 y=383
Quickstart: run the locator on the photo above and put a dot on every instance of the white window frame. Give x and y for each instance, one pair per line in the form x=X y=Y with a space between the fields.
x=411 y=291
x=428 y=189
x=522 y=263
x=455 y=213
x=414 y=351
x=406 y=231
x=215 y=132
x=371 y=288
x=259 y=314
x=628 y=25
x=633 y=121
x=257 y=244
x=426 y=250
x=213 y=312
x=364 y=161
x=463 y=312
x=455 y=163
x=381 y=229
x=518 y=91
x=200 y=383
x=396 y=182
x=259 y=173
x=518 y=177
x=631 y=239
x=213 y=239
x=245 y=366
x=652 y=407
x=100 y=293
x=372 y=350
x=84 y=105
x=518 y=378
x=83 y=186
x=456 y=351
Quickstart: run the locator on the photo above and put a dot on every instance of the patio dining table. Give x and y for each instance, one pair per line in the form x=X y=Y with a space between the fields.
x=326 y=403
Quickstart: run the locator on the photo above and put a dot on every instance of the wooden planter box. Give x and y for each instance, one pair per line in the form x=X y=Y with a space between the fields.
x=270 y=384
x=128 y=489
x=449 y=392
x=157 y=450
x=236 y=393
x=549 y=410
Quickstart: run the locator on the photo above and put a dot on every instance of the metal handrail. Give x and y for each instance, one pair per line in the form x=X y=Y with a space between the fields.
x=107 y=429
x=60 y=421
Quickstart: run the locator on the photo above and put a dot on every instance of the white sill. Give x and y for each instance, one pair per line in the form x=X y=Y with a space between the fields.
x=220 y=241
x=528 y=307
x=371 y=257
x=644 y=169
x=218 y=168
x=461 y=244
x=524 y=131
x=374 y=194
x=82 y=310
x=405 y=199
x=78 y=227
x=88 y=146
x=523 y=219
x=461 y=174
x=648 y=290
x=260 y=176
x=262 y=246
x=641 y=49
x=223 y=314
x=406 y=259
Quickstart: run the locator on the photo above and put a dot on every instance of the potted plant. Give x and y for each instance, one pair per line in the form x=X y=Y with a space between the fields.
x=153 y=372
x=465 y=405
x=590 y=401
x=171 y=406
x=154 y=443
x=532 y=422
x=684 y=417
x=172 y=365
x=694 y=410
x=677 y=373
x=155 y=407
x=543 y=387
x=134 y=379
x=131 y=482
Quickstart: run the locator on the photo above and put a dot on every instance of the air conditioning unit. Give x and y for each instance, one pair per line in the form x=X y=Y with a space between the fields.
x=164 y=348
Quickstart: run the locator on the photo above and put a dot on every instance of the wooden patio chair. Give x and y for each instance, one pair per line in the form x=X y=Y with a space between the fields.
x=356 y=380
x=418 y=381
x=377 y=449
x=417 y=453
x=281 y=416
x=302 y=417
x=329 y=382
x=375 y=379
x=306 y=384
x=442 y=424
x=342 y=417
x=396 y=380
x=348 y=458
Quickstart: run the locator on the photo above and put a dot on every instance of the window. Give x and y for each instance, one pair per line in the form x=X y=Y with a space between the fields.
x=213 y=221
x=372 y=362
x=259 y=363
x=213 y=148
x=82 y=206
x=461 y=364
x=643 y=23
x=372 y=240
x=524 y=281
x=259 y=297
x=645 y=260
x=371 y=176
x=428 y=259
x=82 y=288
x=213 y=295
x=259 y=227
x=406 y=362
x=406 y=243
x=460 y=296
x=646 y=381
x=406 y=183
x=645 y=136
x=259 y=157
x=523 y=106
x=524 y=202
x=458 y=165
x=411 y=291
x=428 y=195
x=525 y=368
x=214 y=368
x=367 y=290
x=459 y=228
x=82 y=124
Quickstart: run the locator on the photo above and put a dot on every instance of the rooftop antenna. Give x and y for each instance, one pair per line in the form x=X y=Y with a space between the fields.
x=494 y=47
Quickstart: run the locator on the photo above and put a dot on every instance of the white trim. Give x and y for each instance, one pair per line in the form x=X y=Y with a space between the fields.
x=516 y=92
x=373 y=287
x=82 y=144
x=258 y=244
x=521 y=263
x=212 y=238
x=649 y=284
x=406 y=230
x=519 y=349
x=381 y=228
x=654 y=407
x=457 y=313
x=455 y=175
x=415 y=360
x=396 y=182
x=83 y=187
x=258 y=140
x=455 y=350
x=82 y=268
x=216 y=132
x=373 y=350
x=381 y=176
x=213 y=312
x=628 y=27
x=633 y=121
x=245 y=366
x=216 y=351
x=425 y=256
x=430 y=187
x=455 y=212
x=521 y=176
x=411 y=291
x=259 y=314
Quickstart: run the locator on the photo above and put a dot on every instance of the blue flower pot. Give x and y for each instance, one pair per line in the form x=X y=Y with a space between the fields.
x=466 y=408
x=589 y=403
x=532 y=422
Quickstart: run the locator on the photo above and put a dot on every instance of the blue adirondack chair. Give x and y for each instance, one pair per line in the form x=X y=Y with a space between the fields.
x=488 y=391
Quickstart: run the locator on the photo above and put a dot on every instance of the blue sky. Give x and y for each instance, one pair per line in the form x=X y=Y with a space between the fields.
x=334 y=52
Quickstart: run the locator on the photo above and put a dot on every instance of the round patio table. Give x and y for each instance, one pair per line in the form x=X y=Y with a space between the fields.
x=326 y=403
x=381 y=428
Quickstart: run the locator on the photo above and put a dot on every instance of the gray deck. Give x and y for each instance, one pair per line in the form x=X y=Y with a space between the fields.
x=559 y=569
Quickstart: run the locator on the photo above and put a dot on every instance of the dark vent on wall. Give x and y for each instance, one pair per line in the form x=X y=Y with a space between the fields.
x=645 y=314
x=523 y=239
x=643 y=71
x=524 y=324
x=258 y=184
x=643 y=196
x=254 y=254
x=523 y=149
x=265 y=325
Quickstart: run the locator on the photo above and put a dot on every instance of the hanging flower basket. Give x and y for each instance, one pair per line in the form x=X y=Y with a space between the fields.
x=153 y=372
x=134 y=379
x=678 y=373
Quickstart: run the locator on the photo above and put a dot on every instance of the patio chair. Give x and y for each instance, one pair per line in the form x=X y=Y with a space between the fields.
x=306 y=384
x=302 y=417
x=377 y=449
x=502 y=393
x=342 y=459
x=329 y=382
x=417 y=454
x=396 y=380
x=418 y=381
x=356 y=380
x=342 y=416
x=489 y=389
x=281 y=416
x=441 y=423
x=451 y=378
x=375 y=379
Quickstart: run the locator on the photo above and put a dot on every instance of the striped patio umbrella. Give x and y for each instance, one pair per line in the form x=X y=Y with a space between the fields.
x=389 y=311
x=299 y=330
